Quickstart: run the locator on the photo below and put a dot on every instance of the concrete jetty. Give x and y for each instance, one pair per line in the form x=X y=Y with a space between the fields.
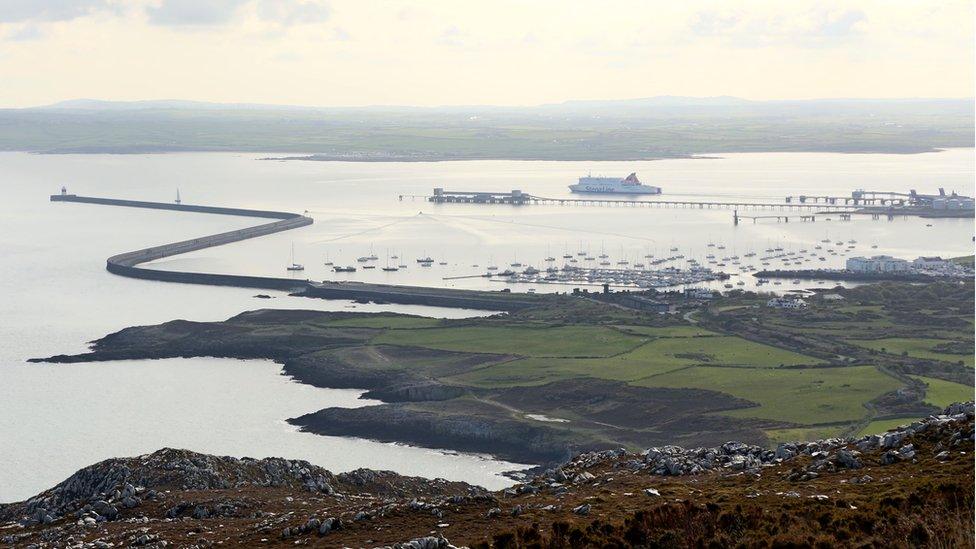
x=126 y=264
x=419 y=295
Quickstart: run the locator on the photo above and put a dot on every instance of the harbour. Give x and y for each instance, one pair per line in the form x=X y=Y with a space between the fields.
x=62 y=296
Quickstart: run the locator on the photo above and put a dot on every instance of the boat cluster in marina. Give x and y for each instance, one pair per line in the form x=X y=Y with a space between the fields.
x=675 y=266
x=636 y=277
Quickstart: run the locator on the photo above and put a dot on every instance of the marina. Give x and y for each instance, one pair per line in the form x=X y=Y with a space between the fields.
x=619 y=278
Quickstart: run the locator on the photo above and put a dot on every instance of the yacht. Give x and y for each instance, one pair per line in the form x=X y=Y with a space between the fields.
x=294 y=266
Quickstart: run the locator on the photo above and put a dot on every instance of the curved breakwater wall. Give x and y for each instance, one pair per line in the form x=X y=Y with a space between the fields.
x=124 y=264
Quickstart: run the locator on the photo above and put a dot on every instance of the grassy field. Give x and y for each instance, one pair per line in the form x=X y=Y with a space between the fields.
x=679 y=349
x=538 y=371
x=724 y=350
x=803 y=396
x=562 y=341
x=914 y=347
x=668 y=331
x=881 y=425
x=941 y=393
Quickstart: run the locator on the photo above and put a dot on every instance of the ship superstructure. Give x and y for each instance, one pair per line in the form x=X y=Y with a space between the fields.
x=613 y=185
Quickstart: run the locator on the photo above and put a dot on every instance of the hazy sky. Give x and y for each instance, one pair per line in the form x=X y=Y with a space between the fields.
x=358 y=52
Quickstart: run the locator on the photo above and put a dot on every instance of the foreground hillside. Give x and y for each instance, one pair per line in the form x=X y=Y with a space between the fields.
x=909 y=487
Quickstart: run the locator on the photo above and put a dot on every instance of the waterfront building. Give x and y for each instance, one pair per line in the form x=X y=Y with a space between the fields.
x=786 y=303
x=699 y=293
x=877 y=264
x=929 y=262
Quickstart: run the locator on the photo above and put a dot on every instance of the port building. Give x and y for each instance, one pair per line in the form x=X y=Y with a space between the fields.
x=877 y=264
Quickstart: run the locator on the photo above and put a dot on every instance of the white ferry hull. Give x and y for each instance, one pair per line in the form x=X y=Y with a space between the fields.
x=605 y=189
x=613 y=185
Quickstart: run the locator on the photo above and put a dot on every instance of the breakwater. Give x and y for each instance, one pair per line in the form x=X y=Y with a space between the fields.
x=127 y=264
x=816 y=274
x=418 y=295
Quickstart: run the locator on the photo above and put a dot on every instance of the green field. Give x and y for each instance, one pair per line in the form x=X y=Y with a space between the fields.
x=668 y=331
x=881 y=425
x=941 y=393
x=914 y=347
x=562 y=341
x=538 y=371
x=724 y=350
x=655 y=357
x=803 y=396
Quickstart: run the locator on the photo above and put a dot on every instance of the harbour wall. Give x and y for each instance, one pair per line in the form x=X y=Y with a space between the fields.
x=814 y=274
x=413 y=295
x=125 y=264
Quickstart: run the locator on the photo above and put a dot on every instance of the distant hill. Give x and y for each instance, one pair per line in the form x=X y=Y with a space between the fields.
x=629 y=129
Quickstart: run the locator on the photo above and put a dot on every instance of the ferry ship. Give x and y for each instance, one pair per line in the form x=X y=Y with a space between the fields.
x=613 y=185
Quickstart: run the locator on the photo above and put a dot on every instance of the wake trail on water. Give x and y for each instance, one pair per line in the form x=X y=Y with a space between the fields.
x=366 y=231
x=553 y=227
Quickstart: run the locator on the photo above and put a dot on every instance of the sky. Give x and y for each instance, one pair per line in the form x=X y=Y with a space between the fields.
x=465 y=52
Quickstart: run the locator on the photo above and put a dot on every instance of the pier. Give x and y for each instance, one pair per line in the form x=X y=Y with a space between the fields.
x=519 y=198
x=857 y=198
x=873 y=203
x=784 y=218
x=126 y=264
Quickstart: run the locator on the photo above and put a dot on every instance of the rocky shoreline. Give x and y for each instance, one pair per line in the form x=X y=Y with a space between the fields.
x=420 y=407
x=919 y=474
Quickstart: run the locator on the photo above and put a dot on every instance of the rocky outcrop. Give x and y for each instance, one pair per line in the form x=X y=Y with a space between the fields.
x=103 y=489
x=475 y=428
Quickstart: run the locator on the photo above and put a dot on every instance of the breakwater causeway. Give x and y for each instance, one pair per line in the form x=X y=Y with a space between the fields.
x=127 y=264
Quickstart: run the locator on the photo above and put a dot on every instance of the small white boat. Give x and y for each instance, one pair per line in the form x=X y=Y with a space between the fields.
x=294 y=266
